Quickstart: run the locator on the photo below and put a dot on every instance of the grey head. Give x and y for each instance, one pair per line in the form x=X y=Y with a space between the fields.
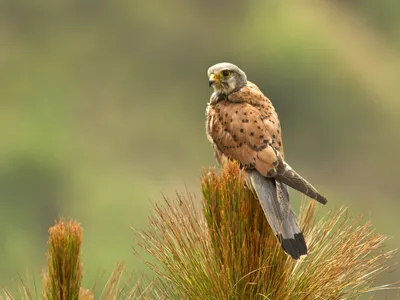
x=226 y=78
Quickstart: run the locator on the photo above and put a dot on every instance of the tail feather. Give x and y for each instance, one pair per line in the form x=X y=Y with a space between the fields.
x=295 y=247
x=295 y=181
x=274 y=200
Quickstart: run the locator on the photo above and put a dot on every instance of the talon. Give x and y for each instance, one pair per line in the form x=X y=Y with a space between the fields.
x=271 y=173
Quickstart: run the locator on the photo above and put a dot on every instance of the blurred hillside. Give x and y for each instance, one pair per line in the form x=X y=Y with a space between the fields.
x=102 y=109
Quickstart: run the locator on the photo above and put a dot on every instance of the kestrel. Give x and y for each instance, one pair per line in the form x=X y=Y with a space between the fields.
x=243 y=126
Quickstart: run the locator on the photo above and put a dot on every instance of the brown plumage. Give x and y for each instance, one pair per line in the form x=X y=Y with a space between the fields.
x=243 y=125
x=246 y=128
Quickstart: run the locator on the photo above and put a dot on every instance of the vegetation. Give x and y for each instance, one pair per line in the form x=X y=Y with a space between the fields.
x=65 y=272
x=226 y=250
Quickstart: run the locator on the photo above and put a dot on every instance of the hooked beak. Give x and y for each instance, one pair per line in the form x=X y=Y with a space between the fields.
x=213 y=79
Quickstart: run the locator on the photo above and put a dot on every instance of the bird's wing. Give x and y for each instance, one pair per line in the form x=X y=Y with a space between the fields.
x=260 y=118
x=252 y=95
x=247 y=132
x=297 y=182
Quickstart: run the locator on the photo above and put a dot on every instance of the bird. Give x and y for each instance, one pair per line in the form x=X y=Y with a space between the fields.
x=243 y=126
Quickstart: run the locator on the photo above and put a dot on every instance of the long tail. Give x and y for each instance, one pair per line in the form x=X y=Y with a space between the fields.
x=295 y=181
x=274 y=200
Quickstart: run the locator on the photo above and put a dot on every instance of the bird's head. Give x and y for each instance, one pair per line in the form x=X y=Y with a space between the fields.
x=226 y=78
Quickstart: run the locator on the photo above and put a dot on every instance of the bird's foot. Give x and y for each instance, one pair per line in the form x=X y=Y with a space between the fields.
x=271 y=173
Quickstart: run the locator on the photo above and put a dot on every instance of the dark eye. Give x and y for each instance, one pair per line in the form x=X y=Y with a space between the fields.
x=225 y=73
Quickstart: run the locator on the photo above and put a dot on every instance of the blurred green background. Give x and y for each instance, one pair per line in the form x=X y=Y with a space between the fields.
x=102 y=109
